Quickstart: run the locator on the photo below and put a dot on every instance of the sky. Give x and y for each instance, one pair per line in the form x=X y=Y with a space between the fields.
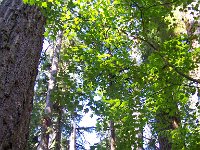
x=87 y=121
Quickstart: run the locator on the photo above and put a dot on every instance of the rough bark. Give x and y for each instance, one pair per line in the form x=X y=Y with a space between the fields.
x=21 y=38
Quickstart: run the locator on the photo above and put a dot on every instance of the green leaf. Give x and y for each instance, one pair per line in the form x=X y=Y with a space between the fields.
x=44 y=4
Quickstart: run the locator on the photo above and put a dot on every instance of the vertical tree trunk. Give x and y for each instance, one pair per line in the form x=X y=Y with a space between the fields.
x=73 y=136
x=112 y=136
x=44 y=143
x=58 y=130
x=21 y=38
x=67 y=145
x=166 y=122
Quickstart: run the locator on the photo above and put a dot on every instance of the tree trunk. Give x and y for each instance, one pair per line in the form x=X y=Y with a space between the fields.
x=58 y=130
x=21 y=38
x=44 y=142
x=73 y=136
x=112 y=136
x=166 y=122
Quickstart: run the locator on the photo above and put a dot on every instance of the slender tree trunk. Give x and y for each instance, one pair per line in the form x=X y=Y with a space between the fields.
x=21 y=38
x=112 y=136
x=46 y=124
x=73 y=136
x=67 y=145
x=58 y=130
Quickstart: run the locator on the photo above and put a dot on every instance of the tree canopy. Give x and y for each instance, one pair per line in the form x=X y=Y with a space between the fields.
x=132 y=63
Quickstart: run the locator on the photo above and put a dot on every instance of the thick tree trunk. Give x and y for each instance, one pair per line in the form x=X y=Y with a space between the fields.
x=165 y=120
x=21 y=38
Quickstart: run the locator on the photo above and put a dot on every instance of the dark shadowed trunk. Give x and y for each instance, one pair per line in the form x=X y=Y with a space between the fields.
x=21 y=38
x=166 y=122
x=58 y=130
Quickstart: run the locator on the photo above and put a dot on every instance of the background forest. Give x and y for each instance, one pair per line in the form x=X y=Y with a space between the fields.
x=132 y=64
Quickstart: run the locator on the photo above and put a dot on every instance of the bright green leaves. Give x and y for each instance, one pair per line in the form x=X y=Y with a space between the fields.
x=57 y=14
x=103 y=56
x=178 y=53
x=31 y=2
x=25 y=1
x=66 y=15
x=44 y=4
x=114 y=104
x=40 y=3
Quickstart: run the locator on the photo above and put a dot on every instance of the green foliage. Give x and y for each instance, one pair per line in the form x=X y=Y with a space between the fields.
x=97 y=59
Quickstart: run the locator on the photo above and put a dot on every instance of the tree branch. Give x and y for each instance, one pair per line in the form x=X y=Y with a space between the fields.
x=161 y=4
x=184 y=75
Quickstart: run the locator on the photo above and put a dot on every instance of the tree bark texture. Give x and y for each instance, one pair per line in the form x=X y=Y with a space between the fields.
x=21 y=38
